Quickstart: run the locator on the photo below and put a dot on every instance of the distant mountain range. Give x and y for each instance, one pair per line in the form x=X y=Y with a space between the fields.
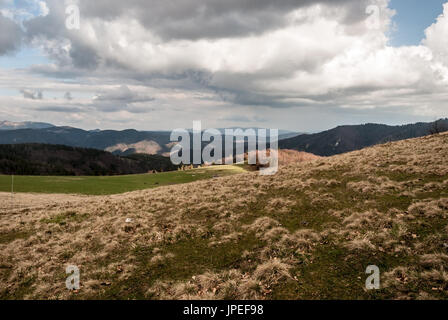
x=41 y=159
x=118 y=142
x=335 y=141
x=349 y=138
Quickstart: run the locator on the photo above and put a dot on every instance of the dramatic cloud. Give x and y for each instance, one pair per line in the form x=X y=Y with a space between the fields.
x=237 y=61
x=190 y=19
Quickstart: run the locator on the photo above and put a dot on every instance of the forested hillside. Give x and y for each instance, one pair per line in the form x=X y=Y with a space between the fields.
x=42 y=159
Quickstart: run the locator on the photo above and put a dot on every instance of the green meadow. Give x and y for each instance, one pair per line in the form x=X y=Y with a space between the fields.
x=105 y=185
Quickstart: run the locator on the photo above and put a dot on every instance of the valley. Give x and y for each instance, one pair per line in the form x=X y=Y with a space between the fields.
x=104 y=185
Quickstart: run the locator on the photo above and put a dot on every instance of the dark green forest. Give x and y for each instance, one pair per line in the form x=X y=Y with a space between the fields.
x=60 y=160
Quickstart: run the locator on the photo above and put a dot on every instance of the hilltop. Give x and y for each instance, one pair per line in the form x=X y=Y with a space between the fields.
x=308 y=232
x=350 y=138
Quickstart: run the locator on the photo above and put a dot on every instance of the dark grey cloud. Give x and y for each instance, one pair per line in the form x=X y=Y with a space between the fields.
x=192 y=19
x=84 y=56
x=178 y=19
x=10 y=35
x=80 y=56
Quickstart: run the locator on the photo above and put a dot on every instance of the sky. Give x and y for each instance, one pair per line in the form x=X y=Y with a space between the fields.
x=302 y=65
x=412 y=18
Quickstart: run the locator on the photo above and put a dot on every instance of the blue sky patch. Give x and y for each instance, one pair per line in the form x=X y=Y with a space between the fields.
x=412 y=18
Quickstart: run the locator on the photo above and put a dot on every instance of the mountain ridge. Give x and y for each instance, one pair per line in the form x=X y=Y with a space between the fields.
x=348 y=138
x=338 y=140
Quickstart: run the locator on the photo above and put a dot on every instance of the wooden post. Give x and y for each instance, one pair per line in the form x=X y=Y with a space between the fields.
x=12 y=191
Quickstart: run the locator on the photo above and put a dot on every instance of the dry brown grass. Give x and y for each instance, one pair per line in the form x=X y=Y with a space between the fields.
x=246 y=236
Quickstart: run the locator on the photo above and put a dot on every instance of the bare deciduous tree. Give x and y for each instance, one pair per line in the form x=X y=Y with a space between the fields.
x=437 y=127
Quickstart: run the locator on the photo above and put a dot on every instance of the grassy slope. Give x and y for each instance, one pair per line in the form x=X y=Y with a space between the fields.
x=110 y=184
x=308 y=232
